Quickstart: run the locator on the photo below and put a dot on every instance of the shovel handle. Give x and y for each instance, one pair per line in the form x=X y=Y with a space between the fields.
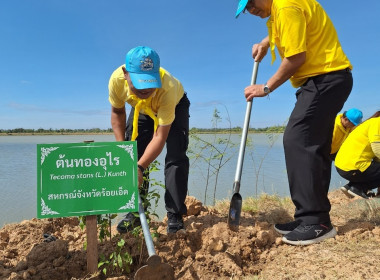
x=145 y=228
x=244 y=133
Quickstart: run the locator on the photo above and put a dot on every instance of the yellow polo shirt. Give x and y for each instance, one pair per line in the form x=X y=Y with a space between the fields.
x=164 y=99
x=356 y=152
x=297 y=26
x=339 y=135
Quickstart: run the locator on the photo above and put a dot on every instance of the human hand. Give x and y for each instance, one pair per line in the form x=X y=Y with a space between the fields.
x=254 y=91
x=260 y=50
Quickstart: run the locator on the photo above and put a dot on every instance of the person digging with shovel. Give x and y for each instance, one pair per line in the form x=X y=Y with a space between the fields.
x=314 y=62
x=159 y=116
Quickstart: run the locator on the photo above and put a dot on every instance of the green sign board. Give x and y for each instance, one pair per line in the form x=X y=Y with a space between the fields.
x=78 y=179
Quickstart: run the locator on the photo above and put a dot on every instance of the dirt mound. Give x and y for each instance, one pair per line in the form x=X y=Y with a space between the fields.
x=207 y=249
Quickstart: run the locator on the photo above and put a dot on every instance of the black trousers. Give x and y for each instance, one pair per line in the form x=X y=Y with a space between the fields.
x=367 y=180
x=307 y=143
x=176 y=160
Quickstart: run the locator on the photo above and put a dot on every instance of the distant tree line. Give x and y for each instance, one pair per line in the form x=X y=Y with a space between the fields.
x=55 y=131
x=237 y=129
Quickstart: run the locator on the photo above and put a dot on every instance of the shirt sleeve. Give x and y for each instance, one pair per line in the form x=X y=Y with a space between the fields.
x=115 y=92
x=376 y=149
x=374 y=136
x=374 y=130
x=292 y=29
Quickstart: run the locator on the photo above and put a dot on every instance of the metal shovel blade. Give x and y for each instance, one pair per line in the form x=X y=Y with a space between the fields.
x=155 y=270
x=235 y=211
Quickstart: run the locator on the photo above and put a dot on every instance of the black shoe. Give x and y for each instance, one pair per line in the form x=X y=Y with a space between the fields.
x=309 y=234
x=345 y=189
x=354 y=191
x=286 y=228
x=128 y=223
x=371 y=194
x=175 y=222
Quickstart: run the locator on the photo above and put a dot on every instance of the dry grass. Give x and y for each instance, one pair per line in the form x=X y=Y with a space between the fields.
x=269 y=208
x=352 y=254
x=263 y=202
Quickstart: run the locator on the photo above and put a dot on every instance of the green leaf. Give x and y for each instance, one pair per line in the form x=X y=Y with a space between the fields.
x=120 y=261
x=121 y=243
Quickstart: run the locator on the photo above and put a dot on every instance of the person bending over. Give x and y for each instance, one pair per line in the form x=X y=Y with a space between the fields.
x=358 y=159
x=344 y=124
x=159 y=115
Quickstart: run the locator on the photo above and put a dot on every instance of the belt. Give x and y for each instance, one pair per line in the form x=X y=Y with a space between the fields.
x=347 y=70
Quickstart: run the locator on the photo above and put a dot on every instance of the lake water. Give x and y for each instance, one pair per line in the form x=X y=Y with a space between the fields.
x=263 y=170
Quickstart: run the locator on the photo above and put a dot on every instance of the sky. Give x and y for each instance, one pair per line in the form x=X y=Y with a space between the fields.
x=56 y=58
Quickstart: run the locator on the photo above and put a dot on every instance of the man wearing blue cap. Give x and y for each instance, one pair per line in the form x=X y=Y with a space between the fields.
x=358 y=160
x=314 y=62
x=344 y=124
x=159 y=115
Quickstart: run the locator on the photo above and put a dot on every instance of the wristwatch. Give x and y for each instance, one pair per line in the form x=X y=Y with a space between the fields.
x=142 y=169
x=267 y=89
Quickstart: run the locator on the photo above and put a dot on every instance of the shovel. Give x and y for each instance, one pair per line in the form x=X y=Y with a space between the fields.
x=155 y=269
x=236 y=201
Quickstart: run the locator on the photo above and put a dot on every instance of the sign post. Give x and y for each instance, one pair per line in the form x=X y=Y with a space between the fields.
x=92 y=244
x=87 y=179
x=92 y=241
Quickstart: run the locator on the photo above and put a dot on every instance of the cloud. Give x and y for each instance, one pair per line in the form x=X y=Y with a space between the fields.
x=34 y=108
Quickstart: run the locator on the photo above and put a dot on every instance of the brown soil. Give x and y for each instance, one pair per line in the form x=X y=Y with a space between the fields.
x=207 y=249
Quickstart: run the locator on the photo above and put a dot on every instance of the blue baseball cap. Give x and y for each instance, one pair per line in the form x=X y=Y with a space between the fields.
x=354 y=115
x=143 y=65
x=241 y=7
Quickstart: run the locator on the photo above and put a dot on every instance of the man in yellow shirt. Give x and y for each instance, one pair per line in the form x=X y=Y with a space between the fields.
x=314 y=62
x=344 y=124
x=159 y=116
x=358 y=159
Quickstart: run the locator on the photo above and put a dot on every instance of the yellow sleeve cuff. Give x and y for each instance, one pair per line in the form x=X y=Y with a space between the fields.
x=376 y=148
